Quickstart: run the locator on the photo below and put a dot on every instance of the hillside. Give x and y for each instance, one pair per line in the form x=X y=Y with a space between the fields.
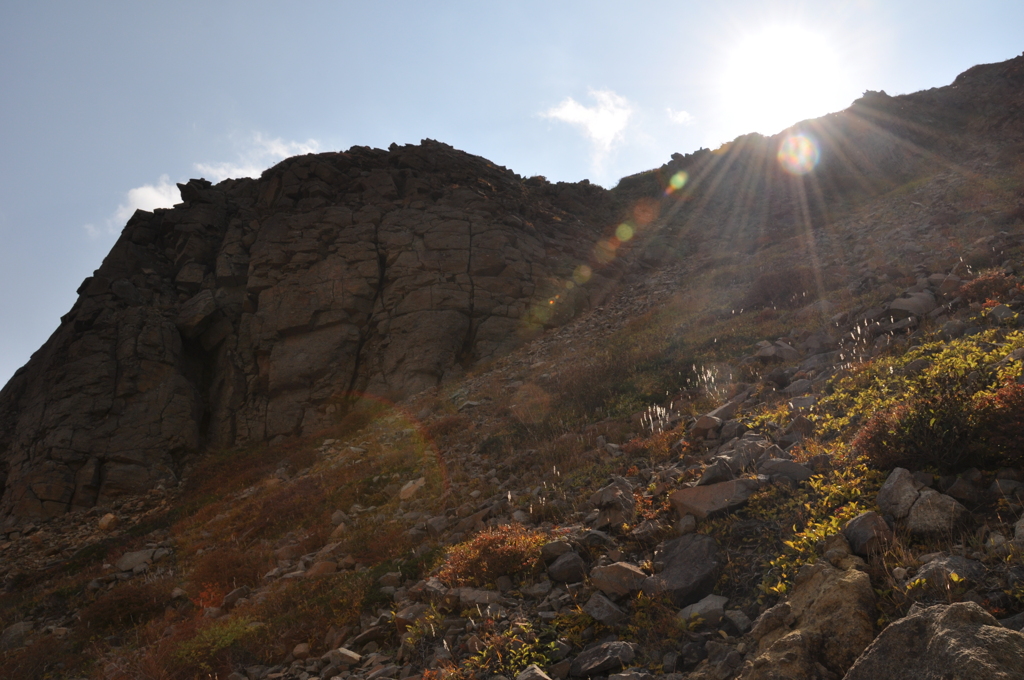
x=401 y=414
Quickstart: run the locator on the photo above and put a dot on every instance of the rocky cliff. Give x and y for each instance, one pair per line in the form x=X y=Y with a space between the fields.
x=255 y=309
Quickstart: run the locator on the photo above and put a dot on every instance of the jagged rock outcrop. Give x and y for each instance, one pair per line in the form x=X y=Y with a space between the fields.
x=254 y=308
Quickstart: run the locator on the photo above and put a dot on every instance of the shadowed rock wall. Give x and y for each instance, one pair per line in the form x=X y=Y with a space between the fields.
x=250 y=310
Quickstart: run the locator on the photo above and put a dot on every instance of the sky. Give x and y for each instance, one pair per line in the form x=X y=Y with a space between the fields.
x=105 y=106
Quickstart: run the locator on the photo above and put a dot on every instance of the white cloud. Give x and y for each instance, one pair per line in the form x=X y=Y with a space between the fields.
x=163 y=194
x=681 y=117
x=148 y=197
x=257 y=154
x=603 y=123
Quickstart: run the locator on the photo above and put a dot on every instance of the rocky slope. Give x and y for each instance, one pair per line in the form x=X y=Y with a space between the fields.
x=775 y=433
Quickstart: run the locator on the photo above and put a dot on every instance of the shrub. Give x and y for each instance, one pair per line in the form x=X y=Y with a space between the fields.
x=225 y=569
x=212 y=647
x=928 y=430
x=987 y=286
x=127 y=605
x=951 y=429
x=509 y=550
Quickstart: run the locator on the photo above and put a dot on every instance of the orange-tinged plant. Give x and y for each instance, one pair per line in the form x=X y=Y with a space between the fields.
x=509 y=550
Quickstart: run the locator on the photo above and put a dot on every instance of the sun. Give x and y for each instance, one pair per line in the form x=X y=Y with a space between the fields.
x=778 y=76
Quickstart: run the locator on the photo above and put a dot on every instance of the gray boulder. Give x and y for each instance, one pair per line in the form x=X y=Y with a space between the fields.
x=568 y=568
x=691 y=568
x=898 y=494
x=867 y=533
x=936 y=515
x=600 y=608
x=943 y=642
x=609 y=656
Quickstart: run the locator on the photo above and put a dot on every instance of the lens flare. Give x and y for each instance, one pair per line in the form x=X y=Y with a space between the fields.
x=799 y=154
x=582 y=274
x=624 y=232
x=604 y=251
x=677 y=182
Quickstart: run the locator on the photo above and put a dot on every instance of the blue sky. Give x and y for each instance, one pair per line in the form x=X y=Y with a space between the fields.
x=106 y=105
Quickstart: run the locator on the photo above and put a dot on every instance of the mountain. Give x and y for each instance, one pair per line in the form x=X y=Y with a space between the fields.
x=312 y=422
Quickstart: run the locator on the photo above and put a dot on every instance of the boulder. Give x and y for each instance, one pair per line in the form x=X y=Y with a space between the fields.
x=608 y=656
x=917 y=304
x=936 y=515
x=131 y=560
x=569 y=568
x=898 y=493
x=532 y=672
x=710 y=609
x=959 y=640
x=713 y=499
x=938 y=570
x=820 y=631
x=14 y=635
x=787 y=468
x=691 y=568
x=600 y=608
x=867 y=533
x=619 y=578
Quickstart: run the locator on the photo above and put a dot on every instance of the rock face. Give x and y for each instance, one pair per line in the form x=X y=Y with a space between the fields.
x=254 y=308
x=820 y=631
x=959 y=640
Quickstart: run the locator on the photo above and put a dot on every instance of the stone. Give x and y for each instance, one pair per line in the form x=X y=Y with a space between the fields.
x=691 y=567
x=938 y=570
x=130 y=560
x=739 y=620
x=569 y=568
x=713 y=499
x=959 y=640
x=14 y=635
x=867 y=533
x=411 y=488
x=301 y=650
x=407 y=616
x=552 y=550
x=342 y=657
x=338 y=517
x=195 y=313
x=108 y=522
x=719 y=471
x=827 y=621
x=687 y=524
x=936 y=515
x=232 y=598
x=963 y=491
x=618 y=578
x=787 y=468
x=324 y=568
x=532 y=672
x=705 y=425
x=918 y=304
x=710 y=609
x=608 y=656
x=1007 y=488
x=600 y=608
x=898 y=493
